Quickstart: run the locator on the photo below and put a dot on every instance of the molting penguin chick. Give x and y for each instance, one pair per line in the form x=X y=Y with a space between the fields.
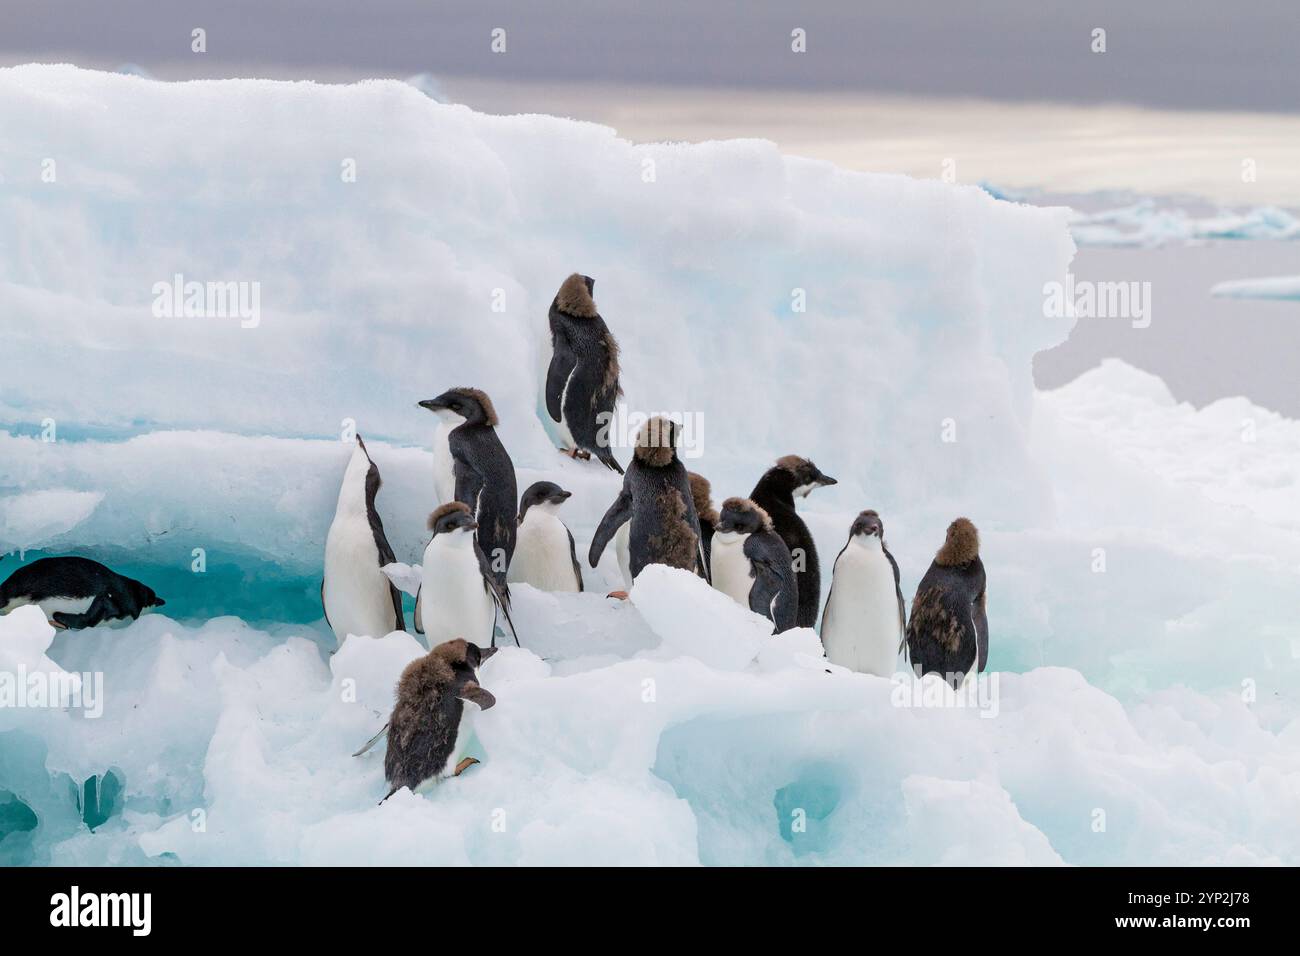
x=458 y=591
x=472 y=466
x=358 y=598
x=656 y=501
x=775 y=493
x=77 y=592
x=862 y=627
x=582 y=380
x=430 y=726
x=948 y=633
x=751 y=563
x=701 y=497
x=545 y=556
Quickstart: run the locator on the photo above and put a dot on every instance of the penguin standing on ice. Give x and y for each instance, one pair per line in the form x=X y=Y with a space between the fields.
x=862 y=626
x=459 y=594
x=77 y=592
x=358 y=598
x=701 y=496
x=751 y=563
x=472 y=466
x=430 y=727
x=775 y=492
x=582 y=380
x=545 y=555
x=656 y=501
x=948 y=633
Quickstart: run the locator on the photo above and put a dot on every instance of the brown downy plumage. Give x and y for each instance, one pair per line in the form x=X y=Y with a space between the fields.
x=677 y=545
x=574 y=298
x=489 y=410
x=702 y=495
x=656 y=442
x=443 y=510
x=744 y=504
x=961 y=546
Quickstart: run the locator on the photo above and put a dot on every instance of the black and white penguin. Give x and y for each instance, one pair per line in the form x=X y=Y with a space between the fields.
x=656 y=501
x=862 y=626
x=775 y=492
x=472 y=466
x=77 y=592
x=582 y=380
x=430 y=727
x=948 y=633
x=459 y=594
x=751 y=563
x=545 y=555
x=702 y=496
x=357 y=596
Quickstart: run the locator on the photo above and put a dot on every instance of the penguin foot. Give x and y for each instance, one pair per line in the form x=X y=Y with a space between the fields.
x=621 y=595
x=464 y=765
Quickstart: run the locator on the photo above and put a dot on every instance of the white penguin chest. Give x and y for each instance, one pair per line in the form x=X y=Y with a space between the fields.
x=861 y=628
x=730 y=567
x=355 y=592
x=50 y=605
x=453 y=601
x=444 y=469
x=542 y=557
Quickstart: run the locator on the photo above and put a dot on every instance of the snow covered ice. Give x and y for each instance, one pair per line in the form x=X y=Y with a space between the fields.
x=1143 y=555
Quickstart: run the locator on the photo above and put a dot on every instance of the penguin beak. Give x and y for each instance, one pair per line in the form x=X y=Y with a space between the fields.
x=486 y=652
x=826 y=480
x=561 y=498
x=159 y=602
x=432 y=404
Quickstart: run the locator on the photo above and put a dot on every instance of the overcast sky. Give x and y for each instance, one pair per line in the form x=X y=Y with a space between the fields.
x=1201 y=54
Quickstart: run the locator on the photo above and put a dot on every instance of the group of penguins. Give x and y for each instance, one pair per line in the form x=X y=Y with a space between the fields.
x=483 y=537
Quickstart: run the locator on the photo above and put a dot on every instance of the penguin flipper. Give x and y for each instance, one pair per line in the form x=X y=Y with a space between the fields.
x=100 y=609
x=562 y=364
x=323 y=608
x=471 y=691
x=607 y=459
x=573 y=556
x=619 y=513
x=898 y=591
x=419 y=624
x=370 y=745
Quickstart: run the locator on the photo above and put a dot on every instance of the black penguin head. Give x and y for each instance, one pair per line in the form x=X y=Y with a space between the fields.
x=800 y=475
x=475 y=655
x=146 y=596
x=451 y=518
x=868 y=523
x=542 y=493
x=656 y=442
x=742 y=516
x=463 y=405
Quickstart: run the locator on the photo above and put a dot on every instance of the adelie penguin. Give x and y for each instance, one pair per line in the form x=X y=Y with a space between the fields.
x=77 y=592
x=862 y=626
x=545 y=555
x=656 y=502
x=431 y=726
x=357 y=596
x=775 y=492
x=459 y=593
x=582 y=380
x=948 y=633
x=471 y=465
x=751 y=563
x=702 y=496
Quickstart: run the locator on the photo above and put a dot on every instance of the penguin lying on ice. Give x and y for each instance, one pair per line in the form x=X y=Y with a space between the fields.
x=77 y=592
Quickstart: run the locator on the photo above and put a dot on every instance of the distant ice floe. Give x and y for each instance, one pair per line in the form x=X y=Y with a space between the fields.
x=1280 y=287
x=1147 y=223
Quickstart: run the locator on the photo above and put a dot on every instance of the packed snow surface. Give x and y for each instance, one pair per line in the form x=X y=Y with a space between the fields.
x=1143 y=555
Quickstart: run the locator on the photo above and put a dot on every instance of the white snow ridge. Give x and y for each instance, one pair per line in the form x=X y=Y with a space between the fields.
x=1143 y=556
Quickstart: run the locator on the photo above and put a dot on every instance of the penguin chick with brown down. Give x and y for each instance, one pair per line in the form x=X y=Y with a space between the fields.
x=582 y=380
x=752 y=564
x=656 y=501
x=430 y=727
x=948 y=632
x=702 y=497
x=775 y=492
